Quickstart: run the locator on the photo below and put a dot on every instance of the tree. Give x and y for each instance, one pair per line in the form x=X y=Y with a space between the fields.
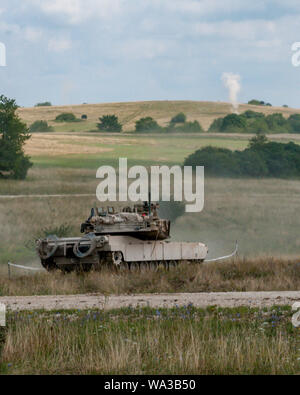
x=294 y=122
x=255 y=102
x=258 y=140
x=233 y=123
x=13 y=135
x=190 y=127
x=249 y=114
x=66 y=117
x=259 y=103
x=40 y=127
x=44 y=104
x=216 y=125
x=259 y=125
x=147 y=124
x=277 y=123
x=109 y=123
x=179 y=118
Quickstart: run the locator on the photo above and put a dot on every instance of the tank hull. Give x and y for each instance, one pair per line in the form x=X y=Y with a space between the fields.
x=94 y=251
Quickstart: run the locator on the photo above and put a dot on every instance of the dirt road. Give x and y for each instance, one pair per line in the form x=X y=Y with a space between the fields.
x=83 y=302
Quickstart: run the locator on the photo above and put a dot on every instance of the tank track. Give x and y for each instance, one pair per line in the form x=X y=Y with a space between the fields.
x=107 y=262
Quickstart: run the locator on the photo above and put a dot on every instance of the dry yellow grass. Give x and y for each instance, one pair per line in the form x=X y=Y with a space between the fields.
x=243 y=275
x=49 y=145
x=129 y=113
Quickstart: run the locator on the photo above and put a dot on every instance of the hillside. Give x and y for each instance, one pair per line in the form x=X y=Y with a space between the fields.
x=129 y=113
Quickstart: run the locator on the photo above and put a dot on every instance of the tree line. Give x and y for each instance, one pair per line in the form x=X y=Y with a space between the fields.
x=262 y=158
x=111 y=124
x=256 y=122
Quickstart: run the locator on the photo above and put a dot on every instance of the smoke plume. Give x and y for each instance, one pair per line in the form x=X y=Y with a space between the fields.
x=232 y=83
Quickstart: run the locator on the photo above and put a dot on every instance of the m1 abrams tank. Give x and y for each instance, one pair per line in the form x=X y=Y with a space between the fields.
x=134 y=238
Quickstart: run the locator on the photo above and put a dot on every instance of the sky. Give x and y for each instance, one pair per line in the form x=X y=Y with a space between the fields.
x=96 y=51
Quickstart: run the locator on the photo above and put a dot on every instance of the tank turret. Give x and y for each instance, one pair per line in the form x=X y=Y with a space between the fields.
x=140 y=221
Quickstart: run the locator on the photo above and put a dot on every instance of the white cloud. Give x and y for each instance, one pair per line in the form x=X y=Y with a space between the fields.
x=59 y=44
x=143 y=48
x=207 y=7
x=33 y=35
x=77 y=11
x=240 y=30
x=9 y=27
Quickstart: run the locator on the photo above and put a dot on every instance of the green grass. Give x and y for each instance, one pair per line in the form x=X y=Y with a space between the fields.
x=146 y=341
x=140 y=150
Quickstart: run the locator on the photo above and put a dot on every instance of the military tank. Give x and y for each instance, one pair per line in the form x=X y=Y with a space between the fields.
x=133 y=238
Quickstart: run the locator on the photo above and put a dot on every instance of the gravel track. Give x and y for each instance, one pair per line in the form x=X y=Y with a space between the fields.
x=92 y=301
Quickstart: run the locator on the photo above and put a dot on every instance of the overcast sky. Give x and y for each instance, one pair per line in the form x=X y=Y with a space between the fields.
x=75 y=51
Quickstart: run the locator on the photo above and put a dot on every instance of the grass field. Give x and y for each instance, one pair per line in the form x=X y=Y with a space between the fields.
x=129 y=113
x=240 y=275
x=260 y=214
x=145 y=341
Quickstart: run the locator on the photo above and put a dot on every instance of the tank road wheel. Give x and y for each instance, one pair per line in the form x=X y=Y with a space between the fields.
x=134 y=266
x=124 y=267
x=173 y=264
x=144 y=267
x=153 y=266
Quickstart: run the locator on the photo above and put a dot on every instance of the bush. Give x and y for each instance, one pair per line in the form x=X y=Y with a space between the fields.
x=217 y=161
x=147 y=125
x=260 y=159
x=294 y=122
x=84 y=117
x=277 y=123
x=216 y=125
x=40 y=127
x=255 y=102
x=44 y=104
x=254 y=122
x=258 y=125
x=259 y=103
x=188 y=127
x=249 y=114
x=233 y=123
x=109 y=123
x=179 y=118
x=66 y=117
